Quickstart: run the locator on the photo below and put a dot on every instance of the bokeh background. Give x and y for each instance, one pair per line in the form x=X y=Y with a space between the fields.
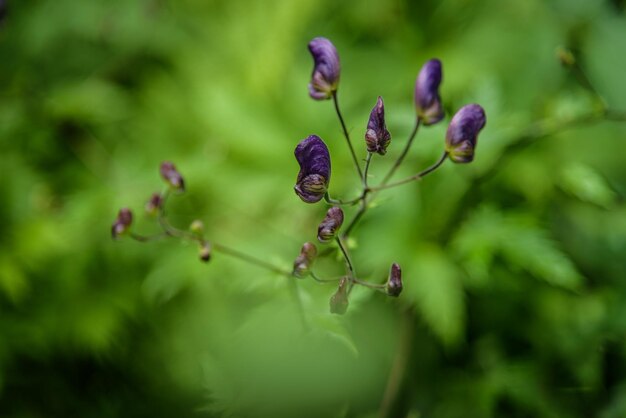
x=514 y=265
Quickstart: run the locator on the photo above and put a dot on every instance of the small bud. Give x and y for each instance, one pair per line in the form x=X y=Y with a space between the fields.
x=427 y=100
x=304 y=261
x=197 y=227
x=339 y=301
x=122 y=223
x=171 y=176
x=463 y=132
x=377 y=137
x=314 y=175
x=205 y=252
x=565 y=56
x=394 y=281
x=325 y=77
x=154 y=204
x=330 y=225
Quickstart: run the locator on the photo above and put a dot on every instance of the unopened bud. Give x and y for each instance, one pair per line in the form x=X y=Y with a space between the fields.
x=197 y=227
x=339 y=301
x=330 y=225
x=205 y=252
x=171 y=176
x=304 y=261
x=394 y=281
x=565 y=56
x=154 y=204
x=122 y=223
x=377 y=137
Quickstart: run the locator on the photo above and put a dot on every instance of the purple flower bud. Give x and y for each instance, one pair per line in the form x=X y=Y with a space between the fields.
x=339 y=301
x=122 y=223
x=330 y=225
x=314 y=159
x=394 y=281
x=304 y=261
x=463 y=132
x=377 y=137
x=325 y=77
x=154 y=204
x=427 y=100
x=205 y=252
x=172 y=176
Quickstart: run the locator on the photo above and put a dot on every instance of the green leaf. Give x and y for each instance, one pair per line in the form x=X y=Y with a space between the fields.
x=522 y=244
x=433 y=283
x=587 y=184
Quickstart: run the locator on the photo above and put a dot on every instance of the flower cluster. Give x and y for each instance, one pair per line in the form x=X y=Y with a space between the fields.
x=313 y=179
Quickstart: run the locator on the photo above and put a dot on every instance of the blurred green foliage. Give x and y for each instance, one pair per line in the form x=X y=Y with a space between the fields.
x=514 y=266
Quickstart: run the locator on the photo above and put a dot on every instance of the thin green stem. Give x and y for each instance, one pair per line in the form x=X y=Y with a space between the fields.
x=340 y=202
x=346 y=135
x=367 y=167
x=585 y=82
x=250 y=259
x=147 y=238
x=405 y=151
x=417 y=176
x=317 y=278
x=346 y=257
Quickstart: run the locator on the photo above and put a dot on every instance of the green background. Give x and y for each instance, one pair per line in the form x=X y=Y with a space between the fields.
x=514 y=266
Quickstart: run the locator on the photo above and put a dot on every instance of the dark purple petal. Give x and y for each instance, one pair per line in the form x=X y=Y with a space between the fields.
x=122 y=223
x=314 y=176
x=339 y=301
x=463 y=131
x=304 y=261
x=377 y=137
x=172 y=176
x=330 y=224
x=394 y=281
x=326 y=69
x=427 y=100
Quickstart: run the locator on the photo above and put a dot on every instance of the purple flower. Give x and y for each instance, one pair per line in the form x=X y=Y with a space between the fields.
x=427 y=100
x=330 y=225
x=304 y=261
x=325 y=77
x=463 y=132
x=172 y=176
x=394 y=281
x=314 y=159
x=122 y=223
x=339 y=301
x=377 y=137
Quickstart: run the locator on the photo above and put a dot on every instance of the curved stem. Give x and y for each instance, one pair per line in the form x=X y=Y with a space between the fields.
x=332 y=201
x=250 y=259
x=417 y=176
x=346 y=134
x=405 y=151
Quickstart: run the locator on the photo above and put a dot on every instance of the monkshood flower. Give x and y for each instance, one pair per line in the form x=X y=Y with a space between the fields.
x=463 y=132
x=122 y=223
x=394 y=281
x=339 y=301
x=427 y=100
x=330 y=225
x=325 y=77
x=304 y=261
x=314 y=159
x=377 y=137
x=171 y=176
